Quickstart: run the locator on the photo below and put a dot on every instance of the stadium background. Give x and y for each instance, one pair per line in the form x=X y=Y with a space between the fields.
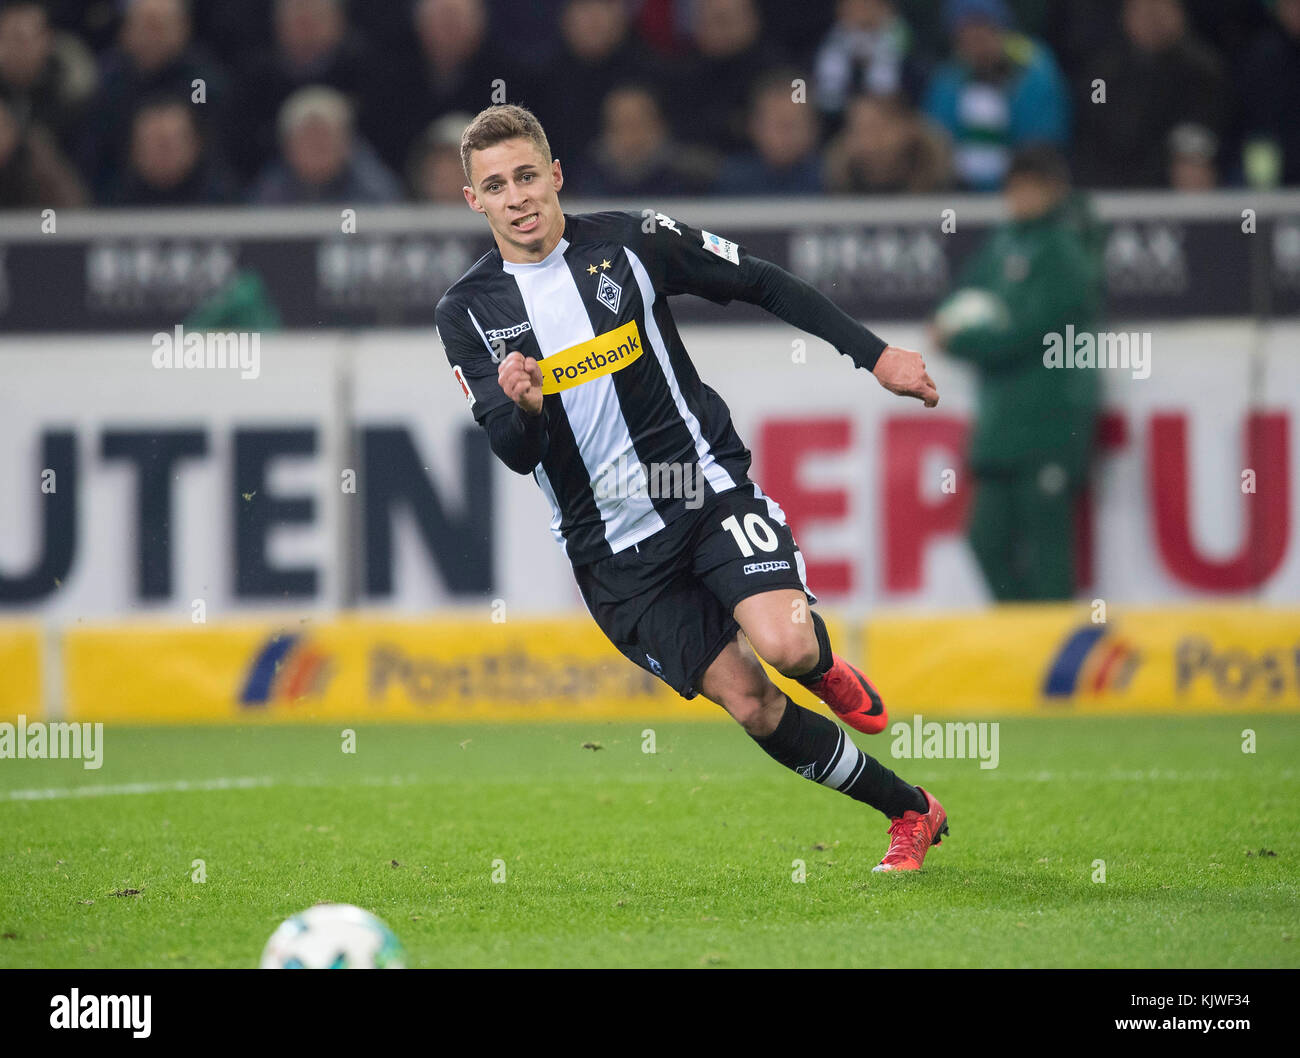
x=333 y=539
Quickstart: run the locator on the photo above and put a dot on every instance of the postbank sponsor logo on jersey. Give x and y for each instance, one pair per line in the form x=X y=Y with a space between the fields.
x=602 y=355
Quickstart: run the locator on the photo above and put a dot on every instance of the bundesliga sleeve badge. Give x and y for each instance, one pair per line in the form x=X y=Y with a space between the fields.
x=724 y=248
x=460 y=377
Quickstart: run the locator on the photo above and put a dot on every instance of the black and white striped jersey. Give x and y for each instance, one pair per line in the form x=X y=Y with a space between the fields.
x=620 y=391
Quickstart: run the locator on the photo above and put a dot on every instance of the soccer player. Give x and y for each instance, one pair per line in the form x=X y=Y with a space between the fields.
x=564 y=345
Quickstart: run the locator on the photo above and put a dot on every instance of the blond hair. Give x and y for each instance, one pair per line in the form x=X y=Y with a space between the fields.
x=494 y=125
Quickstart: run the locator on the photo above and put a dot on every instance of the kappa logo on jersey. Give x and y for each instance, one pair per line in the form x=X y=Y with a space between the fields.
x=665 y=221
x=604 y=354
x=506 y=333
x=460 y=377
x=609 y=293
x=724 y=248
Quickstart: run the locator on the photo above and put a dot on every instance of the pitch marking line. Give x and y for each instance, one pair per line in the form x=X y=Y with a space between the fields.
x=59 y=793
x=189 y=785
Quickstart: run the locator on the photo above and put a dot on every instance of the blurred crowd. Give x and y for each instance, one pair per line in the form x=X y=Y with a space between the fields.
x=188 y=102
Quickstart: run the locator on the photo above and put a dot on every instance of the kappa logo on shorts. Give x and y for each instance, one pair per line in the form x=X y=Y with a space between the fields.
x=609 y=293
x=765 y=567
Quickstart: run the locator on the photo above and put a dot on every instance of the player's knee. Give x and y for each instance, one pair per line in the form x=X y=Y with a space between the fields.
x=791 y=650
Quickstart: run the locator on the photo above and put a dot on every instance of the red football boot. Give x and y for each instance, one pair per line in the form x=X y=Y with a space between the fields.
x=851 y=697
x=911 y=836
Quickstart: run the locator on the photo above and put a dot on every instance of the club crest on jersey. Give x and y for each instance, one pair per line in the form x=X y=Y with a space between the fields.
x=609 y=293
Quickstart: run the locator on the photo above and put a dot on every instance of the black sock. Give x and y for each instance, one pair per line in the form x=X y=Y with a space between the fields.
x=819 y=749
x=825 y=660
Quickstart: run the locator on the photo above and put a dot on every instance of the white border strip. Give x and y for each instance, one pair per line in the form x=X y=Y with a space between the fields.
x=761 y=214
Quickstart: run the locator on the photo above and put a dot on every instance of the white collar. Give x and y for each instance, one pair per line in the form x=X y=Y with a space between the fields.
x=515 y=268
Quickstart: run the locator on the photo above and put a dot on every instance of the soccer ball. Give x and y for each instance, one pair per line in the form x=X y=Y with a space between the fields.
x=333 y=937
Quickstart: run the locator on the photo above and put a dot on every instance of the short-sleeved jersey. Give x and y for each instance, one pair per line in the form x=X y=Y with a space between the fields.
x=626 y=414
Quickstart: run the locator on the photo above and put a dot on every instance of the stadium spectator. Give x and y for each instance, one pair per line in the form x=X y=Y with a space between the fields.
x=1192 y=152
x=154 y=56
x=1158 y=78
x=33 y=172
x=1032 y=441
x=635 y=156
x=434 y=172
x=598 y=51
x=1270 y=85
x=94 y=22
x=1000 y=91
x=46 y=78
x=169 y=164
x=313 y=45
x=800 y=27
x=529 y=33
x=887 y=147
x=324 y=160
x=868 y=51
x=785 y=159
x=450 y=64
x=1172 y=118
x=714 y=83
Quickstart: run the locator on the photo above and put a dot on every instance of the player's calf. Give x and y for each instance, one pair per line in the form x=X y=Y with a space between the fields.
x=736 y=681
x=818 y=749
x=807 y=743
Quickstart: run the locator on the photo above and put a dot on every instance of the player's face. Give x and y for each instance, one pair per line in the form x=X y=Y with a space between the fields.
x=1029 y=197
x=518 y=191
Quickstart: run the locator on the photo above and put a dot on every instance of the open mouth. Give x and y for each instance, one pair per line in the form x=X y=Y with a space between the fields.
x=525 y=223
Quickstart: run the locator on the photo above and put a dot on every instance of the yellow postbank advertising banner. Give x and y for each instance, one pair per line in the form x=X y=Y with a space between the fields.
x=445 y=669
x=359 y=669
x=602 y=355
x=1060 y=659
x=20 y=663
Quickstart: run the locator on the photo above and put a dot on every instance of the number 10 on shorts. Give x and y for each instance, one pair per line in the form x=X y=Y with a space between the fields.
x=756 y=529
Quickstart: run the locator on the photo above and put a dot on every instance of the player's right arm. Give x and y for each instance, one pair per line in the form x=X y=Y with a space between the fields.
x=521 y=380
x=506 y=398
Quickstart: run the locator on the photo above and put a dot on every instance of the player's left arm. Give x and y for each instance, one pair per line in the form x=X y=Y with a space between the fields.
x=689 y=260
x=802 y=305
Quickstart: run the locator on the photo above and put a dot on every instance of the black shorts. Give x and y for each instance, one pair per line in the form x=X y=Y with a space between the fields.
x=667 y=602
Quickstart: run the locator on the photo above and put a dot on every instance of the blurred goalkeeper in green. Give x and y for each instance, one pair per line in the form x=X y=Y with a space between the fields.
x=1029 y=451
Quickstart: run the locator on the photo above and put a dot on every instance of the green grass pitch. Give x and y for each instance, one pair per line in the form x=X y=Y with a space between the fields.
x=684 y=858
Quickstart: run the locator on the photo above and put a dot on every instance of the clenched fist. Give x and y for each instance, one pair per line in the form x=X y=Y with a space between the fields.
x=903 y=372
x=521 y=379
